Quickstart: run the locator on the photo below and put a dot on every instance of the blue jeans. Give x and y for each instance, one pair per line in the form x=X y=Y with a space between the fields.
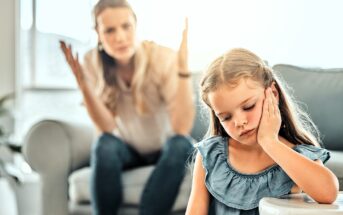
x=110 y=156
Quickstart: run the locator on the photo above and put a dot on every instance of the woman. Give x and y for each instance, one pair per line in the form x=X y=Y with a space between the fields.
x=139 y=96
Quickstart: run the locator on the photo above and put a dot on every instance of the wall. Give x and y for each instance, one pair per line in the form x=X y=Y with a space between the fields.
x=8 y=45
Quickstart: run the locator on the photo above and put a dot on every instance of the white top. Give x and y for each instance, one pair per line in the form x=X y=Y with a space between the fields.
x=146 y=132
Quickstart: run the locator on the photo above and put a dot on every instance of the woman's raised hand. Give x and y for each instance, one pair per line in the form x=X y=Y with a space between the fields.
x=270 y=123
x=73 y=63
x=183 y=50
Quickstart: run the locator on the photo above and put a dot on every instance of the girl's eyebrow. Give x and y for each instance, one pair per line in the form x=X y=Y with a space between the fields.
x=222 y=113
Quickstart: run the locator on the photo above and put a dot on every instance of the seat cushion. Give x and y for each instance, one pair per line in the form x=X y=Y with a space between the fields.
x=133 y=185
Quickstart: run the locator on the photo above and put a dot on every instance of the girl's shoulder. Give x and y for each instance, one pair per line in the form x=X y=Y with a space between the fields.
x=235 y=189
x=312 y=152
x=211 y=146
x=210 y=140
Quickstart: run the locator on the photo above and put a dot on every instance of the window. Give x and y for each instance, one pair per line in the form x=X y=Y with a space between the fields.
x=43 y=24
x=300 y=32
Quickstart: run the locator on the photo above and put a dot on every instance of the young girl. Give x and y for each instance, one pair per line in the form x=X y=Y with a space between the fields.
x=261 y=145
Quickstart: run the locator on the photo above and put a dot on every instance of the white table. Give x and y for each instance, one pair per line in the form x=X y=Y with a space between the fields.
x=299 y=204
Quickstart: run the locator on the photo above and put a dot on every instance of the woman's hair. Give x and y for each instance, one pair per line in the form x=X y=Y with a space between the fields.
x=104 y=4
x=106 y=59
x=228 y=69
x=109 y=62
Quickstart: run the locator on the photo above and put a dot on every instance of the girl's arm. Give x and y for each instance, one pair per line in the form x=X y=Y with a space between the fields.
x=198 y=202
x=311 y=176
x=98 y=112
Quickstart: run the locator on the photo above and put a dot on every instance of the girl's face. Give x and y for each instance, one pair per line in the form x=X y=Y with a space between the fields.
x=116 y=28
x=239 y=109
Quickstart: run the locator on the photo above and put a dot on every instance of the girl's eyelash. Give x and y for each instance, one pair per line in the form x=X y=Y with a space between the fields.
x=225 y=118
x=244 y=108
x=249 y=108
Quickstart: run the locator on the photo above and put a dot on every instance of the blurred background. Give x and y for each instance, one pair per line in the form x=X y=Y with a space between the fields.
x=36 y=82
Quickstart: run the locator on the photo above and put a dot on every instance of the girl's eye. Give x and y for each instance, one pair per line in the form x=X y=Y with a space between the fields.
x=226 y=118
x=249 y=107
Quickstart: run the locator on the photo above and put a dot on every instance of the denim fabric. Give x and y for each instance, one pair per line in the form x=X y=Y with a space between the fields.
x=110 y=156
x=237 y=193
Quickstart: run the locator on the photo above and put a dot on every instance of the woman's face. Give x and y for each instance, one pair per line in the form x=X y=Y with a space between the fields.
x=239 y=109
x=116 y=28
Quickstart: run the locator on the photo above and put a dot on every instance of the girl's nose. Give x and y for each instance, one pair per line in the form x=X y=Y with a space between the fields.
x=241 y=122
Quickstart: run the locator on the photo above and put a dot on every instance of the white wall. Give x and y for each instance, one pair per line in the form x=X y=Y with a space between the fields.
x=7 y=46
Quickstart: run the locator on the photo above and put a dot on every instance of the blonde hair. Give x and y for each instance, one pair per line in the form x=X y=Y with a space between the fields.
x=228 y=69
x=101 y=5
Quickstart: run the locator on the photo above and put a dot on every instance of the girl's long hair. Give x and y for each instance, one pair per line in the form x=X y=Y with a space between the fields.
x=228 y=69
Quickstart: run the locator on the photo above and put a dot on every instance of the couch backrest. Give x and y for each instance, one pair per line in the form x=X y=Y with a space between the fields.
x=201 y=119
x=321 y=91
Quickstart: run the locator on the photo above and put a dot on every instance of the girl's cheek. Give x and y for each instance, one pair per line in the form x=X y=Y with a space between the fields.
x=257 y=114
x=229 y=128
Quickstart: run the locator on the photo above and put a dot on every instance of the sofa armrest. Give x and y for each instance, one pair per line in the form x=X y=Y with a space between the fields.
x=335 y=164
x=54 y=148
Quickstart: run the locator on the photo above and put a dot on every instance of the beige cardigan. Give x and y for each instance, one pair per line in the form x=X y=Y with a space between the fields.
x=146 y=120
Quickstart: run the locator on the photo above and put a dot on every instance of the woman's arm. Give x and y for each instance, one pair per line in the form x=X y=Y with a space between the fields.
x=198 y=202
x=98 y=112
x=310 y=176
x=182 y=110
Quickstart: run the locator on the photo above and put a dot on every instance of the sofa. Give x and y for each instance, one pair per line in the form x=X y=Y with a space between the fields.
x=59 y=150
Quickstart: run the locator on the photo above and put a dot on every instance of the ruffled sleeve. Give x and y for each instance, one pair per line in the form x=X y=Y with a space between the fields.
x=313 y=152
x=234 y=189
x=244 y=191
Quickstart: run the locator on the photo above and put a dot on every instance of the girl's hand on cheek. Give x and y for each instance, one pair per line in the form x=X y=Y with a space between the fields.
x=270 y=122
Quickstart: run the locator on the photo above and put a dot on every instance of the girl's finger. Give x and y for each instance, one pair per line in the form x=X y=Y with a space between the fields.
x=265 y=111
x=275 y=105
x=268 y=103
x=272 y=108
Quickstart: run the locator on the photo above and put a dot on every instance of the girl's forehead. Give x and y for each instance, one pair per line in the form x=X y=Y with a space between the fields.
x=243 y=84
x=235 y=93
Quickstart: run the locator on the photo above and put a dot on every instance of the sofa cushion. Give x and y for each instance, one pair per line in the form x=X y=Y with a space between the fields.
x=133 y=184
x=321 y=92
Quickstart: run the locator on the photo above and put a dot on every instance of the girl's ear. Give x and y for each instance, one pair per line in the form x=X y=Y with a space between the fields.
x=275 y=91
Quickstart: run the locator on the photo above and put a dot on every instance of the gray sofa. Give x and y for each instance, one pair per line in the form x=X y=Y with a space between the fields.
x=59 y=149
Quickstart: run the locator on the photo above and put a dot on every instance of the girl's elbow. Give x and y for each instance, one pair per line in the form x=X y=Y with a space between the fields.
x=329 y=196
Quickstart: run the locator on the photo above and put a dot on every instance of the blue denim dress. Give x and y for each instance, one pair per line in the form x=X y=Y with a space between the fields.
x=237 y=193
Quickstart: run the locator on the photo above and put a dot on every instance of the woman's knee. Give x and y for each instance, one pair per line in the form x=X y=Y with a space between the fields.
x=178 y=146
x=107 y=145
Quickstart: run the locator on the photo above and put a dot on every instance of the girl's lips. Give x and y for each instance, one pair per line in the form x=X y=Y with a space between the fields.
x=247 y=133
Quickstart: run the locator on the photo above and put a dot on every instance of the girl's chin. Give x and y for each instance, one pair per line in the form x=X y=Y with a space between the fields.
x=249 y=141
